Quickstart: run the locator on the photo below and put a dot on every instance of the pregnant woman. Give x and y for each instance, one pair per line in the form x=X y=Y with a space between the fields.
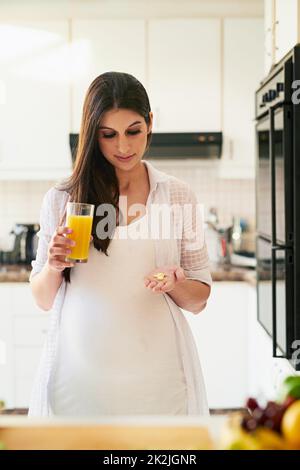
x=118 y=342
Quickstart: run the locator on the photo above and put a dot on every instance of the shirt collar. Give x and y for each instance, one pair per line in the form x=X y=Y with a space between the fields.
x=155 y=176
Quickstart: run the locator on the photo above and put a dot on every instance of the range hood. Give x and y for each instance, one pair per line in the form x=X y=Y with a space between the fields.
x=177 y=145
x=206 y=145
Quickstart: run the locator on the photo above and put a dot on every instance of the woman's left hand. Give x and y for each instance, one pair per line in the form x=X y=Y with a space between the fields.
x=173 y=275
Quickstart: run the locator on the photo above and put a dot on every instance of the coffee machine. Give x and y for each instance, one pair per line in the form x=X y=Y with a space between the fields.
x=24 y=245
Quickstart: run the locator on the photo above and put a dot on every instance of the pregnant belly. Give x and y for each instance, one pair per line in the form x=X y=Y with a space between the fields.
x=120 y=335
x=118 y=360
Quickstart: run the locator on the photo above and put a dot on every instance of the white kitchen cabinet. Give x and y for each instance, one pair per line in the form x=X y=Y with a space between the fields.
x=23 y=329
x=221 y=336
x=34 y=109
x=243 y=70
x=269 y=21
x=287 y=26
x=184 y=67
x=100 y=46
x=282 y=29
x=26 y=364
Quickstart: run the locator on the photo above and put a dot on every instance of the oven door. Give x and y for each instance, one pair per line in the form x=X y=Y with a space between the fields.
x=273 y=295
x=282 y=299
x=282 y=215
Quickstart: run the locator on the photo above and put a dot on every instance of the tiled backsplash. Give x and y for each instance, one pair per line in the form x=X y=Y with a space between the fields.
x=231 y=197
x=20 y=201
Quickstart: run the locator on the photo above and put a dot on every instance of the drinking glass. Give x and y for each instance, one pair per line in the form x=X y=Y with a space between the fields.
x=80 y=220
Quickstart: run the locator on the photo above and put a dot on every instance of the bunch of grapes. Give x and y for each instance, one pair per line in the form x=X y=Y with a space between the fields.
x=269 y=417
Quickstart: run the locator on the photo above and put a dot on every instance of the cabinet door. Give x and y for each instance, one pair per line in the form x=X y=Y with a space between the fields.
x=29 y=329
x=26 y=365
x=286 y=26
x=220 y=332
x=34 y=111
x=100 y=46
x=243 y=70
x=184 y=74
x=269 y=14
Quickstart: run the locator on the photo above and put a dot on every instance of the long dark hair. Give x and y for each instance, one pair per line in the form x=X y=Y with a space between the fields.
x=93 y=179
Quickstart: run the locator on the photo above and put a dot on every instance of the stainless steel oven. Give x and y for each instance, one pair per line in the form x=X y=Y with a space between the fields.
x=278 y=207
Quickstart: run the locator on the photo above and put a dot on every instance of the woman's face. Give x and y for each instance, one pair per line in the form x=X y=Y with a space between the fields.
x=122 y=137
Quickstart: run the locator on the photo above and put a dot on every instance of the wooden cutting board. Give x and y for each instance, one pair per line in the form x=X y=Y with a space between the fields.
x=105 y=436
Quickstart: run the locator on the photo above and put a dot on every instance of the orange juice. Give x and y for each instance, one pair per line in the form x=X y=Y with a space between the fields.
x=82 y=229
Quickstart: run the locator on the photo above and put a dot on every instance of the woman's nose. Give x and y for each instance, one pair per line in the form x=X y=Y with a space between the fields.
x=123 y=146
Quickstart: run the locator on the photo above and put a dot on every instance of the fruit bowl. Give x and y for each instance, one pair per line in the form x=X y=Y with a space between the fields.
x=275 y=426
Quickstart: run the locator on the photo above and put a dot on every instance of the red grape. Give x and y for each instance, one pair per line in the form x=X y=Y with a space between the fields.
x=252 y=404
x=249 y=423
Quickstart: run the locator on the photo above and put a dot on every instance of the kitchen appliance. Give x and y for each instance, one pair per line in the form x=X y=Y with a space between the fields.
x=234 y=244
x=24 y=245
x=278 y=207
x=243 y=243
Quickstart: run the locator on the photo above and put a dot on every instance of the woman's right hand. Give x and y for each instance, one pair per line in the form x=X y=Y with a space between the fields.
x=60 y=248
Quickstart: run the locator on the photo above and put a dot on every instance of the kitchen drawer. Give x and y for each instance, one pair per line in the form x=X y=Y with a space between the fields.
x=30 y=330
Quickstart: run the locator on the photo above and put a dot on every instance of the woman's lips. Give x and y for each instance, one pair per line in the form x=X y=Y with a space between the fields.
x=125 y=158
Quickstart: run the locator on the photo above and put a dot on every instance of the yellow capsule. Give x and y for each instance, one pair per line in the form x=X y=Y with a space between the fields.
x=160 y=276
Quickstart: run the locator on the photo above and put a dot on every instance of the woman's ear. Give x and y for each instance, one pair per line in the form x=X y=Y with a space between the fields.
x=150 y=122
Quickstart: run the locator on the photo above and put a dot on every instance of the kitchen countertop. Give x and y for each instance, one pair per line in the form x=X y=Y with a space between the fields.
x=229 y=273
x=21 y=273
x=14 y=273
x=119 y=432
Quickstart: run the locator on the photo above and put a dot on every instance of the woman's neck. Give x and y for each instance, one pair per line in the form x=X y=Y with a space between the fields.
x=131 y=180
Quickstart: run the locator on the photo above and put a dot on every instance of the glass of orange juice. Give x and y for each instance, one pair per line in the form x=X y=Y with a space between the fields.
x=80 y=220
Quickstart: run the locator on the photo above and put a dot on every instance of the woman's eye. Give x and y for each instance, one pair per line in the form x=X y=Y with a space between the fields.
x=110 y=136
x=134 y=132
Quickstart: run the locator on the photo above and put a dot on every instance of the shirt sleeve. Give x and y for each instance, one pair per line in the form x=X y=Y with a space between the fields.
x=50 y=214
x=193 y=253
